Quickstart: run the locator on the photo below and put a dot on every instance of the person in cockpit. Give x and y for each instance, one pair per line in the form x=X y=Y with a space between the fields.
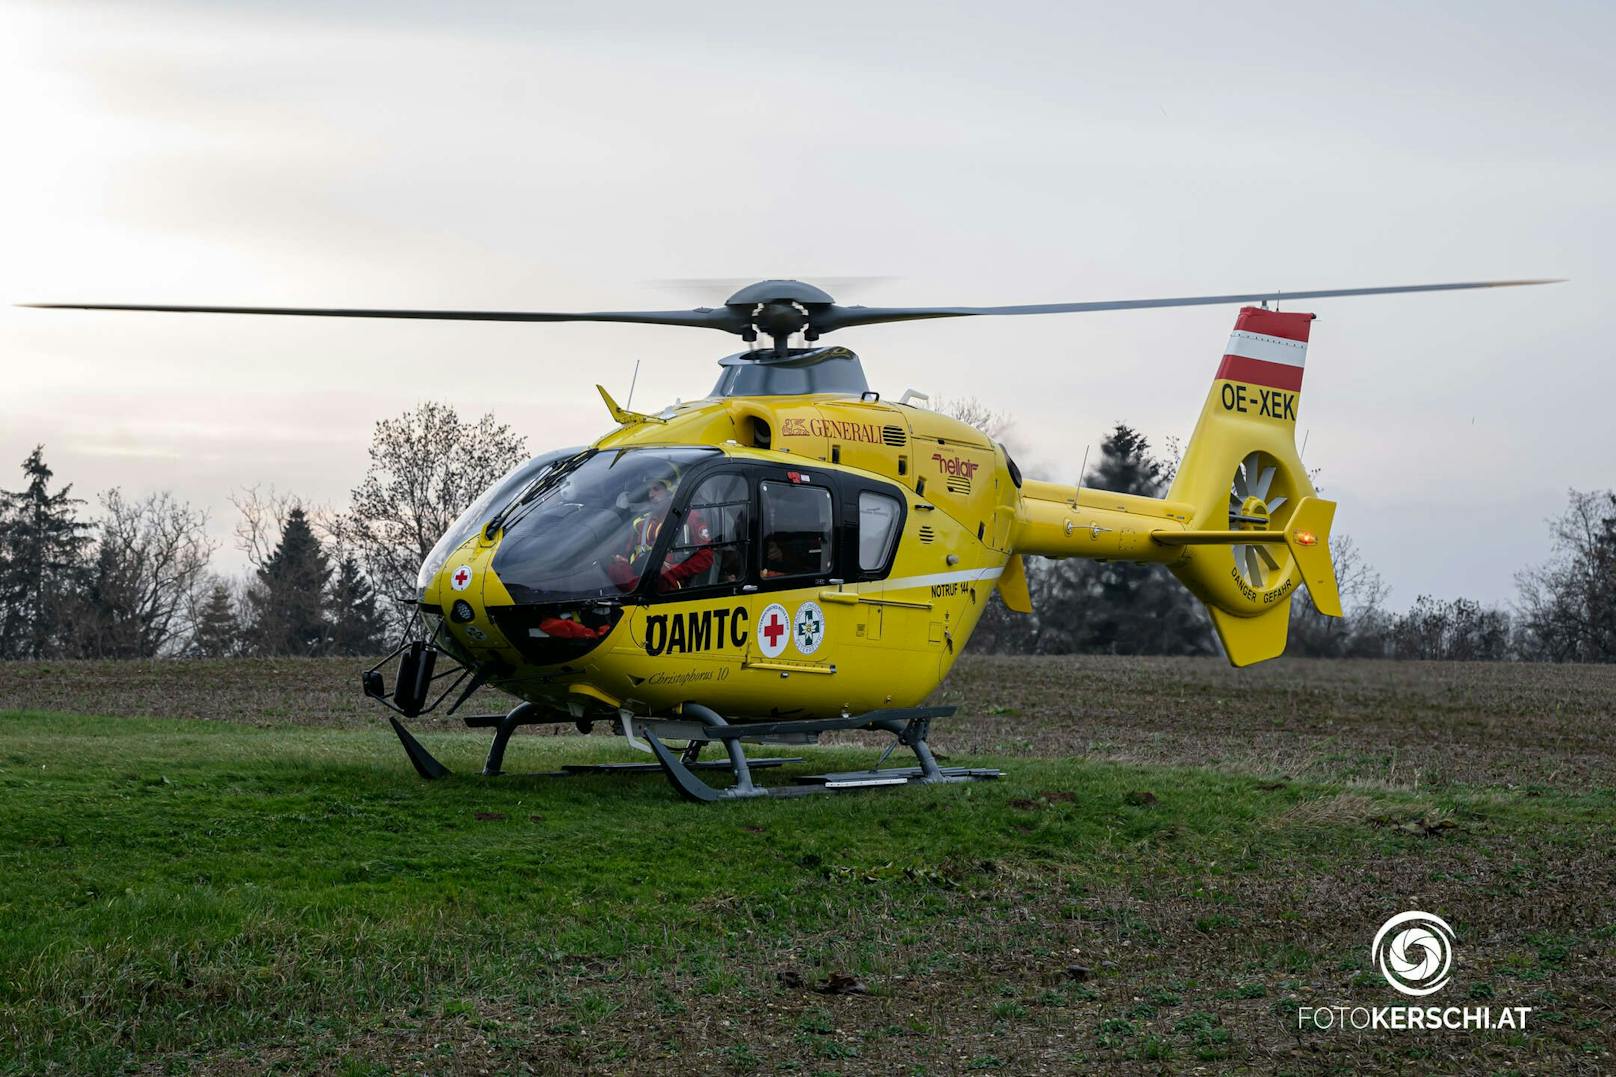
x=683 y=562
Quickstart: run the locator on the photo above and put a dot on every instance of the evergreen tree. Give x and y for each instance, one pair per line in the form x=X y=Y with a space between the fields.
x=103 y=626
x=1119 y=607
x=42 y=553
x=288 y=598
x=358 y=626
x=218 y=629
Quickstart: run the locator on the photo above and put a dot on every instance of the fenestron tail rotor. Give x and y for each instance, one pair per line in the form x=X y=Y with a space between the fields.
x=1254 y=500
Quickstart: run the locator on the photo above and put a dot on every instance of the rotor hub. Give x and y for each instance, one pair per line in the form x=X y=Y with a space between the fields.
x=779 y=318
x=1254 y=511
x=779 y=309
x=1254 y=497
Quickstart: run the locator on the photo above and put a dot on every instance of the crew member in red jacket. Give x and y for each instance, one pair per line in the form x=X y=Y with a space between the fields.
x=684 y=562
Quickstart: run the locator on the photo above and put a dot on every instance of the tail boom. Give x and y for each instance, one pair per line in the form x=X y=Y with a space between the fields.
x=1241 y=526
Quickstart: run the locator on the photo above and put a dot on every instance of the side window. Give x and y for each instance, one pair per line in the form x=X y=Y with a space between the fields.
x=710 y=546
x=796 y=530
x=877 y=529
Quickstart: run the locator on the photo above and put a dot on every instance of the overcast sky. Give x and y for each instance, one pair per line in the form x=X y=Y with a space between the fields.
x=580 y=156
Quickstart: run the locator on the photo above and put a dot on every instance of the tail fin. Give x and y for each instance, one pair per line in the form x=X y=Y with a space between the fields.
x=1257 y=529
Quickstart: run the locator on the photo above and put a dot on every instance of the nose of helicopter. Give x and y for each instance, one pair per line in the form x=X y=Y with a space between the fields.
x=460 y=590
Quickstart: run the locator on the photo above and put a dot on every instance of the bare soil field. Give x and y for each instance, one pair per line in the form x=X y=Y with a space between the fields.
x=1404 y=724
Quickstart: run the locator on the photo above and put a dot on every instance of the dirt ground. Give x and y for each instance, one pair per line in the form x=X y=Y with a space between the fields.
x=1410 y=725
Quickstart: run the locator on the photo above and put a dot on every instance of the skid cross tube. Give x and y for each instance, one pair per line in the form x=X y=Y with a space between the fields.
x=519 y=715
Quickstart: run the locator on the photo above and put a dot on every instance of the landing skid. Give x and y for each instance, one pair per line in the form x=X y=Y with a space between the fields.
x=908 y=726
x=701 y=725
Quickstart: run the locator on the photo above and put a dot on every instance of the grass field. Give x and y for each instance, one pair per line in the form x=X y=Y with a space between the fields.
x=1178 y=857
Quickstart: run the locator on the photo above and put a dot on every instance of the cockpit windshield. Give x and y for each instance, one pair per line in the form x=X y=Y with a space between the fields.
x=588 y=530
x=479 y=511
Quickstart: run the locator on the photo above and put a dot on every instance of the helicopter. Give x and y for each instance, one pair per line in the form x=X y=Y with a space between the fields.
x=793 y=555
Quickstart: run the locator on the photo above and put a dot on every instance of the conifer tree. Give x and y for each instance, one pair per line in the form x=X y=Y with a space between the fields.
x=218 y=629
x=288 y=598
x=357 y=627
x=1120 y=607
x=42 y=555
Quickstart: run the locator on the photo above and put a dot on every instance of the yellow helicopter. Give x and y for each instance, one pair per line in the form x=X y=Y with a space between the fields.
x=793 y=554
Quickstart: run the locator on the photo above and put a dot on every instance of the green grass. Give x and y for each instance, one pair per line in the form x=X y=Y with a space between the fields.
x=210 y=895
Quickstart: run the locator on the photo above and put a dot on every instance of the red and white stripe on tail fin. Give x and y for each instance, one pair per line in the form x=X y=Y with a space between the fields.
x=1267 y=347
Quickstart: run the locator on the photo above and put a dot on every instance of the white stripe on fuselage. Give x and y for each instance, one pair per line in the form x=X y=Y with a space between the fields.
x=1268 y=349
x=962 y=576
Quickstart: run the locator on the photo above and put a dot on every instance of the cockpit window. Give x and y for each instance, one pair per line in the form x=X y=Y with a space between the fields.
x=590 y=531
x=479 y=511
x=710 y=547
x=796 y=530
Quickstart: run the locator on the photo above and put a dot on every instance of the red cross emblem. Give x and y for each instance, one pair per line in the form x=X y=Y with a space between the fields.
x=461 y=578
x=774 y=628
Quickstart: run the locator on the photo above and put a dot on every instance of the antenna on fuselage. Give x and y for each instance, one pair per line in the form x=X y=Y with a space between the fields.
x=631 y=383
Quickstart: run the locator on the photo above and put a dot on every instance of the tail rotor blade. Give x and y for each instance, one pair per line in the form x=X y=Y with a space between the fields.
x=1254 y=566
x=1266 y=481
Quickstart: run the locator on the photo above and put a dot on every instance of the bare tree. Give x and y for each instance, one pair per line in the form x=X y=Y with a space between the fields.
x=1568 y=604
x=1457 y=630
x=150 y=556
x=970 y=410
x=426 y=467
x=1360 y=631
x=261 y=517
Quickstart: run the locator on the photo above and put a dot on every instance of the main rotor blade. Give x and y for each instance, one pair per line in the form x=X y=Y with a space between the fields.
x=820 y=317
x=702 y=317
x=843 y=317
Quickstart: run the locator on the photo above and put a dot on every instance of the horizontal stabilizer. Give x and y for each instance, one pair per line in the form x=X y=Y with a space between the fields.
x=1307 y=536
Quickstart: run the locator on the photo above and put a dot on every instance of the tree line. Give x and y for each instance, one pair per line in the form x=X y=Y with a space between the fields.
x=132 y=578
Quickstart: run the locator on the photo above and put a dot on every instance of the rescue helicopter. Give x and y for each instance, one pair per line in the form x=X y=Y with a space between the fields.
x=793 y=554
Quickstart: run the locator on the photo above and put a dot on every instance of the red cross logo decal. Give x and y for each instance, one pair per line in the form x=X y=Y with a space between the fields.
x=774 y=629
x=461 y=578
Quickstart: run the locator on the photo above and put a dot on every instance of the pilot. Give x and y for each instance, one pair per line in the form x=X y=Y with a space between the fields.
x=682 y=563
